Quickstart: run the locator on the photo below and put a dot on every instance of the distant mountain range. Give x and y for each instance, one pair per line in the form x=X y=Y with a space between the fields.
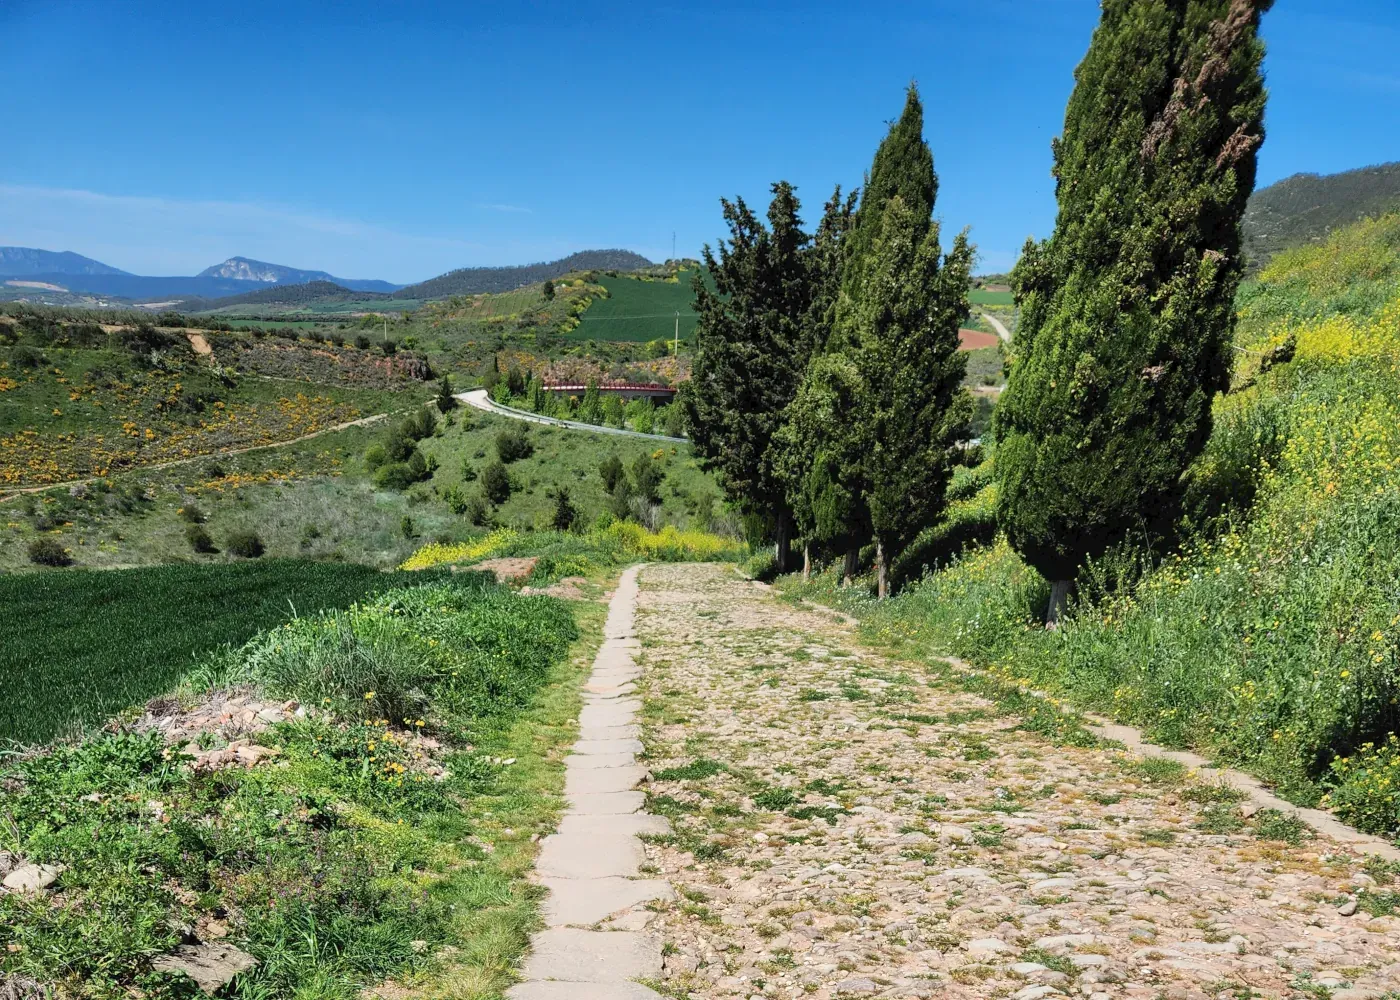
x=235 y=276
x=1304 y=208
x=243 y=278
x=25 y=261
x=243 y=269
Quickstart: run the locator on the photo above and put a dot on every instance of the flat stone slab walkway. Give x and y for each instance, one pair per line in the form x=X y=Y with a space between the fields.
x=598 y=943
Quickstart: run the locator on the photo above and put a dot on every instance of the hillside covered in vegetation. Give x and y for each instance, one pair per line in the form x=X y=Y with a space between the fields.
x=1305 y=208
x=1267 y=635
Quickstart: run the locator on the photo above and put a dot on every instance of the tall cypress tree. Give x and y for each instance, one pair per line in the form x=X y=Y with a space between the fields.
x=752 y=345
x=809 y=450
x=1127 y=309
x=915 y=409
x=903 y=168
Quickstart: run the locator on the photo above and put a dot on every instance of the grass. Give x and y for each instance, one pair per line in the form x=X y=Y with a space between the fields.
x=641 y=311
x=346 y=861
x=982 y=297
x=95 y=643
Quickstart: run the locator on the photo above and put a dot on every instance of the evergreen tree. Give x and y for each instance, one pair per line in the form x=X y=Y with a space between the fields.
x=565 y=513
x=548 y=290
x=813 y=456
x=903 y=168
x=445 y=400
x=1127 y=309
x=590 y=411
x=821 y=459
x=752 y=347
x=915 y=408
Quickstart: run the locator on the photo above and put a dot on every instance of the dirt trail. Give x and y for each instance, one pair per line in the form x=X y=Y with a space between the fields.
x=847 y=825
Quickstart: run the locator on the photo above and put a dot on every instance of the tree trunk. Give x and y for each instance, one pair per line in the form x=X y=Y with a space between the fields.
x=1059 y=594
x=806 y=561
x=882 y=576
x=852 y=567
x=782 y=546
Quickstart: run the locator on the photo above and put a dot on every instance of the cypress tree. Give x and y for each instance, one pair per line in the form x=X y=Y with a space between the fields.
x=903 y=168
x=752 y=345
x=819 y=469
x=1127 y=309
x=915 y=409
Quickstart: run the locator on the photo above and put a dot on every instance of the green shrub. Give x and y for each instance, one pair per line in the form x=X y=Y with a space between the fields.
x=376 y=455
x=611 y=470
x=513 y=443
x=565 y=513
x=199 y=538
x=189 y=512
x=1366 y=787
x=495 y=483
x=244 y=544
x=49 y=552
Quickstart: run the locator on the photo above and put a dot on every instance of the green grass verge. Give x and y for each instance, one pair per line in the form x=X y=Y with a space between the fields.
x=91 y=644
x=342 y=861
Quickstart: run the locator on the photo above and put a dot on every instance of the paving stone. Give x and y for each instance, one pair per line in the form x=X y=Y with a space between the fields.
x=587 y=901
x=583 y=762
x=593 y=780
x=605 y=803
x=609 y=747
x=581 y=856
x=582 y=991
x=623 y=825
x=618 y=713
x=579 y=956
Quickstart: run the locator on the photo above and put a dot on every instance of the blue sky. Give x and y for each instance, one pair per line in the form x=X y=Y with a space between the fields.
x=401 y=140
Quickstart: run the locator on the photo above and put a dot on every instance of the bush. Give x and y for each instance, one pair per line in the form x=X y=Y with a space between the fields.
x=199 y=538
x=647 y=477
x=407 y=528
x=495 y=483
x=49 y=552
x=478 y=511
x=611 y=470
x=362 y=342
x=244 y=544
x=513 y=444
x=189 y=512
x=375 y=456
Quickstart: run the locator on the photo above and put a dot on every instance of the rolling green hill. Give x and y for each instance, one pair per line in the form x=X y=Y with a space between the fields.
x=473 y=280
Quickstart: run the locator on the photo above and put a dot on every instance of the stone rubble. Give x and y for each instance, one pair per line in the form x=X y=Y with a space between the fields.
x=849 y=824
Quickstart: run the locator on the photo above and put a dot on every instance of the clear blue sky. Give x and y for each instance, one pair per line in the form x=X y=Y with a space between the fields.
x=398 y=141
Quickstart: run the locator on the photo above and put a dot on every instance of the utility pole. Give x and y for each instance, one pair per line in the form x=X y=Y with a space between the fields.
x=673 y=244
x=676 y=344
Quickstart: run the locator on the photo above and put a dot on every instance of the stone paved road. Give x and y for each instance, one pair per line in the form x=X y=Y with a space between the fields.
x=848 y=826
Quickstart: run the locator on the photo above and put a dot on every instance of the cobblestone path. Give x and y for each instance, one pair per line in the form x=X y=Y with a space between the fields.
x=846 y=825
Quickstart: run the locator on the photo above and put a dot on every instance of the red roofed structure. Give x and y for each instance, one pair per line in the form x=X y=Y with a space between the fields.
x=654 y=391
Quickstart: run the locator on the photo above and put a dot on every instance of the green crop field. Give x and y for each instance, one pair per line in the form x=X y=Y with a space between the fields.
x=639 y=311
x=982 y=297
x=139 y=630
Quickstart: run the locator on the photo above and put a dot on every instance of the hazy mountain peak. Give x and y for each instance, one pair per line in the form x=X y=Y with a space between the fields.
x=17 y=261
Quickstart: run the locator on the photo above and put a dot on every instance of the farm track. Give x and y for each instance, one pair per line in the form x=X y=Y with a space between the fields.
x=848 y=824
x=998 y=326
x=479 y=399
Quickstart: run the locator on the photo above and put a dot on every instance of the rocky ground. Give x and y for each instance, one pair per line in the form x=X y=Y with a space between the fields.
x=848 y=825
